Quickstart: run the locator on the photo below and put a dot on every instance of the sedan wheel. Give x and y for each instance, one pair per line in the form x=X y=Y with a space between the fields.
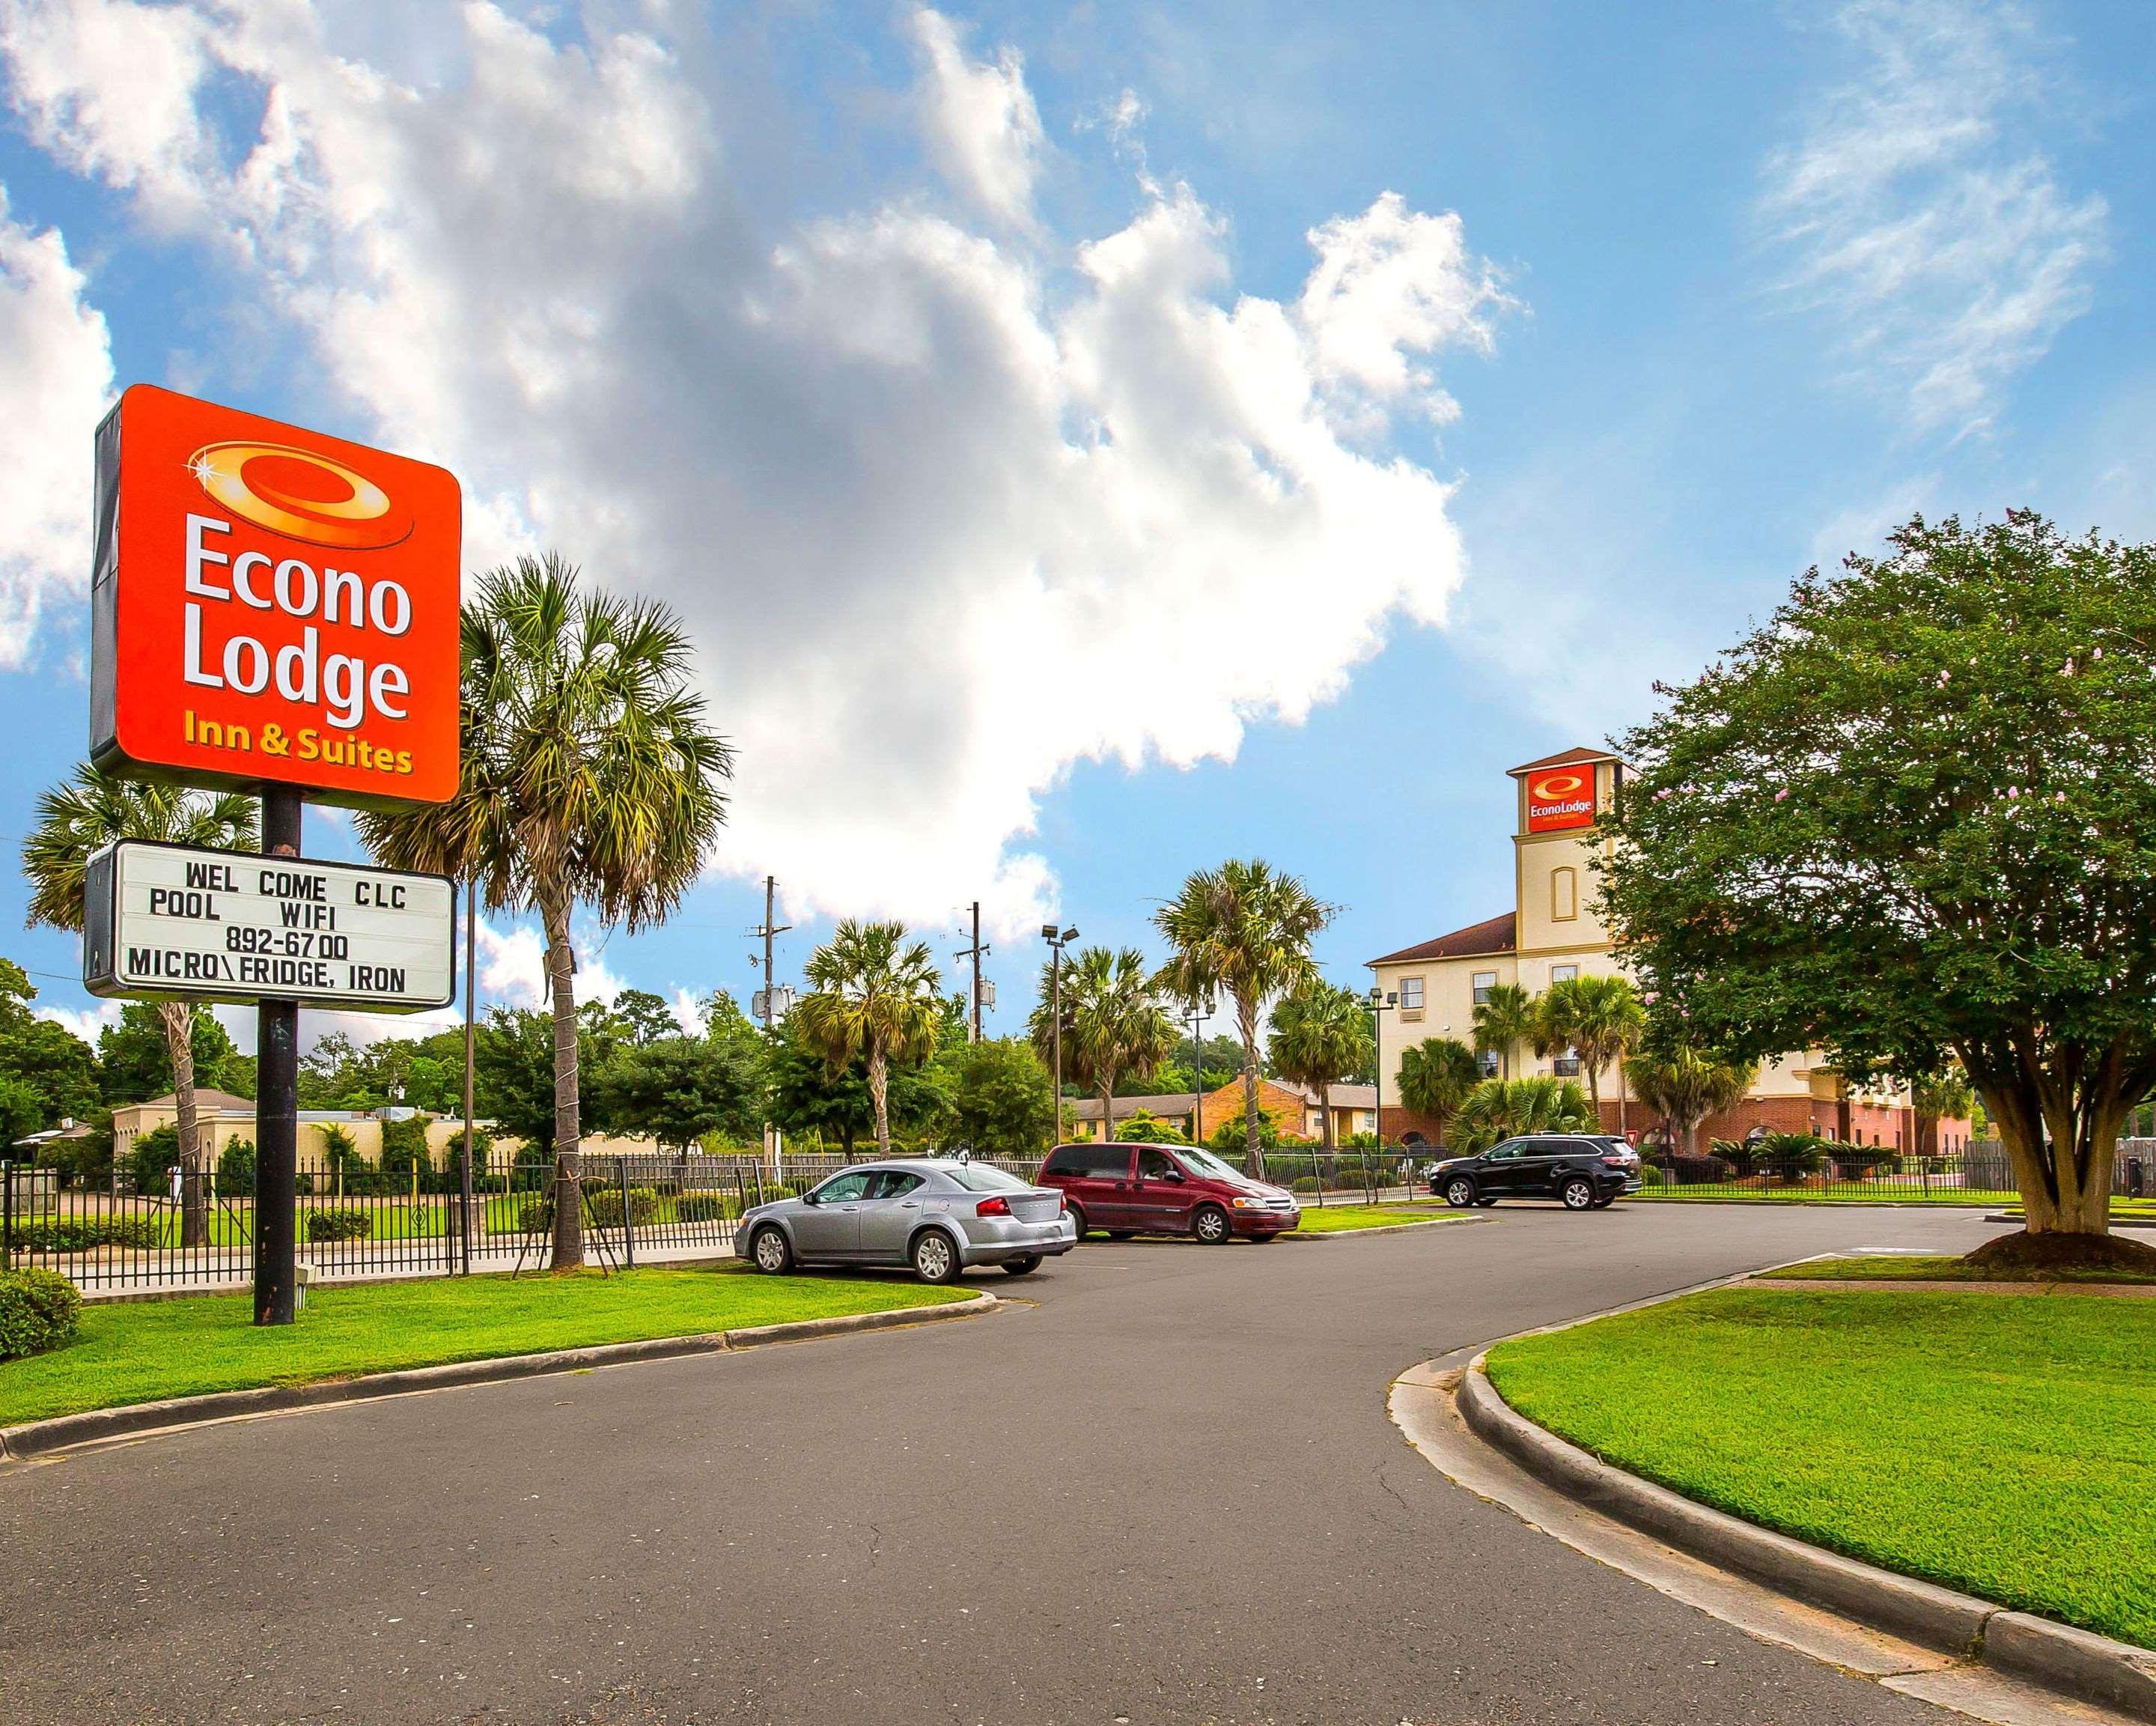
x=771 y=1252
x=1021 y=1267
x=1459 y=1192
x=935 y=1257
x=1210 y=1224
x=1578 y=1194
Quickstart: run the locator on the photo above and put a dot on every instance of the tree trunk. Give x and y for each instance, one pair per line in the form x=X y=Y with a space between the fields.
x=568 y=1193
x=2065 y=1182
x=1594 y=1092
x=178 y=1021
x=1621 y=1087
x=880 y=1095
x=1108 y=1112
x=1253 y=1151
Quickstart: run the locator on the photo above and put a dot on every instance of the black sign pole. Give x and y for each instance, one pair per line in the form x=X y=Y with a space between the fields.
x=277 y=1106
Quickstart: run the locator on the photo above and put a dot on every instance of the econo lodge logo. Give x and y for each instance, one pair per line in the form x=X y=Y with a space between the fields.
x=1561 y=799
x=278 y=605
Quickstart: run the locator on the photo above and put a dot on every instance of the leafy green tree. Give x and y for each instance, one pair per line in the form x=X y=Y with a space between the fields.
x=513 y=1072
x=1236 y=1132
x=50 y=1063
x=1112 y=1021
x=1498 y=1109
x=135 y=1062
x=676 y=1089
x=1910 y=814
x=1145 y=1127
x=1944 y=1094
x=1601 y=1019
x=83 y=816
x=1243 y=931
x=589 y=775
x=1506 y=1016
x=873 y=995
x=1684 y=1084
x=1436 y=1076
x=1320 y=1034
x=22 y=1111
x=1002 y=1101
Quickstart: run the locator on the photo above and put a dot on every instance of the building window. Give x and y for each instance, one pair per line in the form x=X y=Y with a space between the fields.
x=1485 y=981
x=1565 y=895
x=1410 y=999
x=1489 y=1060
x=1564 y=973
x=1567 y=1065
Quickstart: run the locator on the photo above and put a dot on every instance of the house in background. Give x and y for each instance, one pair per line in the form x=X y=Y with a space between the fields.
x=1552 y=932
x=1353 y=1108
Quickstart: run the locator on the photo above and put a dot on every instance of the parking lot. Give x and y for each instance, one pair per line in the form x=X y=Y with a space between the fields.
x=1162 y=1488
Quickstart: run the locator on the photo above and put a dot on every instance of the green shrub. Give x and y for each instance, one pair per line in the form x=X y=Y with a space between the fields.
x=1793 y=1155
x=603 y=1206
x=151 y=1158
x=1304 y=1183
x=235 y=1168
x=345 y=1225
x=534 y=1216
x=404 y=1150
x=704 y=1207
x=80 y=1234
x=37 y=1311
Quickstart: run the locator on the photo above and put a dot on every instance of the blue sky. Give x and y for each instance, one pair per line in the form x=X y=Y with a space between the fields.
x=1077 y=467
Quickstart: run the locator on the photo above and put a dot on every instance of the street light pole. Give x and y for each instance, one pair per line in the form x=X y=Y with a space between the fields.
x=1200 y=1011
x=1382 y=1002
x=1057 y=941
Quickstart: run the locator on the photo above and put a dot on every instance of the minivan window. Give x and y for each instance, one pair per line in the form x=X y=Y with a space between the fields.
x=1109 y=1162
x=1066 y=1159
x=1206 y=1164
x=1155 y=1165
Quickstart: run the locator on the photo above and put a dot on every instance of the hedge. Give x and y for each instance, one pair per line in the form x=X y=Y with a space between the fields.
x=704 y=1207
x=80 y=1234
x=339 y=1225
x=37 y=1311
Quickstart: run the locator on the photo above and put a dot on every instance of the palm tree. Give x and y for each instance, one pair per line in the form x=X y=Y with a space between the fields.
x=1601 y=1020
x=1113 y=1023
x=873 y=995
x=1320 y=1033
x=1686 y=1085
x=1436 y=1075
x=1504 y=1016
x=1499 y=1109
x=589 y=775
x=88 y=813
x=1243 y=931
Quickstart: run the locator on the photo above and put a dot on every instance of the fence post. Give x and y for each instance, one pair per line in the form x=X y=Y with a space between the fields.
x=628 y=1223
x=7 y=1215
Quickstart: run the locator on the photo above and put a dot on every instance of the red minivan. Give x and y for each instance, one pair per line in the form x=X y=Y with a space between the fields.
x=1165 y=1189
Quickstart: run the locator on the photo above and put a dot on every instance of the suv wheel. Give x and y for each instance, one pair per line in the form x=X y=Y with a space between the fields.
x=1578 y=1194
x=1210 y=1224
x=935 y=1257
x=1459 y=1192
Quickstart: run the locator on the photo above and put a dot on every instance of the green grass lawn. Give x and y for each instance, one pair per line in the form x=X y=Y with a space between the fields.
x=140 y=1351
x=2004 y=1447
x=1337 y=1218
x=1899 y=1267
x=1723 y=1195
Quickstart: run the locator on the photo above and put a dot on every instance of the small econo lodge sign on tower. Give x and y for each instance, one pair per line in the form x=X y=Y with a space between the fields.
x=272 y=606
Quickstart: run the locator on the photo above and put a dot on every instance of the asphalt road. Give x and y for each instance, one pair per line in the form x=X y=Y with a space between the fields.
x=1168 y=1492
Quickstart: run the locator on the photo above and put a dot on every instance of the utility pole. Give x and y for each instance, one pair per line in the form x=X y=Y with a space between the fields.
x=1200 y=1011
x=1057 y=941
x=767 y=997
x=975 y=953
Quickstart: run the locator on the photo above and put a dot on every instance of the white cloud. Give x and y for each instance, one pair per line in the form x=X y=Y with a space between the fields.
x=978 y=120
x=941 y=511
x=1941 y=240
x=56 y=378
x=88 y=1022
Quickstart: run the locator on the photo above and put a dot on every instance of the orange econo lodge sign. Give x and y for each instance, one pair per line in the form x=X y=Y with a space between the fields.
x=270 y=605
x=1561 y=797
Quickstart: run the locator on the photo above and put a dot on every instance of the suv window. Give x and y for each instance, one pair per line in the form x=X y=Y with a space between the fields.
x=1507 y=1152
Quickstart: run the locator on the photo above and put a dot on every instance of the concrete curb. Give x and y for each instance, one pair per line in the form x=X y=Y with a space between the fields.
x=1433 y=1222
x=42 y=1438
x=2077 y=1663
x=1947 y=1285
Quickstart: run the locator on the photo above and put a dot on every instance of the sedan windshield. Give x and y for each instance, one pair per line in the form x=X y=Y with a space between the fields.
x=984 y=1178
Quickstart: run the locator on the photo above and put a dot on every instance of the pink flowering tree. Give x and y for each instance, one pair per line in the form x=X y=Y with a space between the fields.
x=1912 y=821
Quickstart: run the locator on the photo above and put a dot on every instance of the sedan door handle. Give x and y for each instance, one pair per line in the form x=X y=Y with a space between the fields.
x=909 y=1204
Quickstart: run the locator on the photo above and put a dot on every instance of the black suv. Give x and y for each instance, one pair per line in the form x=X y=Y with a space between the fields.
x=1581 y=1171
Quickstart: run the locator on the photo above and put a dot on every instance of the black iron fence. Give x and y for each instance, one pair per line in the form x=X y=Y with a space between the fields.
x=1980 y=1175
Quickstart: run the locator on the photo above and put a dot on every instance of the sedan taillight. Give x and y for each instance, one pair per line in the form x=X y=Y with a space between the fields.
x=993 y=1207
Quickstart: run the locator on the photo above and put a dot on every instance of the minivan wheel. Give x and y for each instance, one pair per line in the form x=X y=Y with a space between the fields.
x=1459 y=1192
x=1210 y=1224
x=1078 y=1217
x=1578 y=1194
x=1021 y=1267
x=771 y=1251
x=936 y=1257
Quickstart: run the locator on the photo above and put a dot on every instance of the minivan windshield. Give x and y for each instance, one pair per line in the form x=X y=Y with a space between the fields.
x=1204 y=1163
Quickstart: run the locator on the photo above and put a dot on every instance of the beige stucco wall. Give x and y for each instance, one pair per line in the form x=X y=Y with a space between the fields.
x=222 y=1126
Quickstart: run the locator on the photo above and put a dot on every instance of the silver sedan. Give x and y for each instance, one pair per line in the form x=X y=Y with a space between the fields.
x=938 y=1216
